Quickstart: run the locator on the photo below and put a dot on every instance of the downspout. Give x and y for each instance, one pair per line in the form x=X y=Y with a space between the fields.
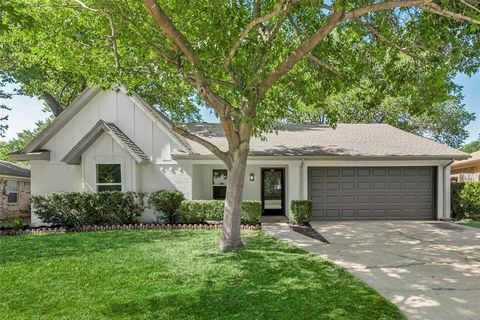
x=301 y=179
x=446 y=191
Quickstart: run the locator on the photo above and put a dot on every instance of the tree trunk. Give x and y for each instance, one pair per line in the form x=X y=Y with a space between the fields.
x=52 y=103
x=231 y=238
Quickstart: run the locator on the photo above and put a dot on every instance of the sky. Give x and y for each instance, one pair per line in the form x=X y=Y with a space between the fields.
x=26 y=111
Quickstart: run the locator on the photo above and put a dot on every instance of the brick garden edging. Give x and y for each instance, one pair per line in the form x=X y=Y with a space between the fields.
x=121 y=227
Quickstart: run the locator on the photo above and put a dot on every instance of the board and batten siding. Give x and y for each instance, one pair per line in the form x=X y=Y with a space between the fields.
x=162 y=173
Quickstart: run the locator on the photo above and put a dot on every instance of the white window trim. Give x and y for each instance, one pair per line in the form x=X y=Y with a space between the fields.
x=122 y=175
x=213 y=185
x=8 y=192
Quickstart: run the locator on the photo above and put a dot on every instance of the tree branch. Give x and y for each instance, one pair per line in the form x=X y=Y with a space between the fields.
x=52 y=103
x=113 y=36
x=303 y=50
x=384 y=6
x=172 y=32
x=313 y=58
x=249 y=28
x=211 y=147
x=218 y=103
x=435 y=8
x=326 y=66
x=471 y=6
x=383 y=38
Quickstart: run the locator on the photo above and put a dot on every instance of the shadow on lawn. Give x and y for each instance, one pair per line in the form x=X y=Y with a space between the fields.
x=267 y=280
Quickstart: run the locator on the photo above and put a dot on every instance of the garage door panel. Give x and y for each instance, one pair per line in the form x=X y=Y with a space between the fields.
x=333 y=213
x=332 y=172
x=333 y=186
x=348 y=185
x=372 y=192
x=363 y=172
x=363 y=185
x=348 y=213
x=350 y=172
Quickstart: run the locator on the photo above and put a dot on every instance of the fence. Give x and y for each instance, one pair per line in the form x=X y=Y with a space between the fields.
x=464 y=177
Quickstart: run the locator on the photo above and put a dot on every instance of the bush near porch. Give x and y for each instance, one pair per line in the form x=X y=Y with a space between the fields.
x=200 y=211
x=71 y=209
x=301 y=211
x=465 y=200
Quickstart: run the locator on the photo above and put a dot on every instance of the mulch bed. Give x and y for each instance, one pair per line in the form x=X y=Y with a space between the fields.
x=308 y=231
x=41 y=230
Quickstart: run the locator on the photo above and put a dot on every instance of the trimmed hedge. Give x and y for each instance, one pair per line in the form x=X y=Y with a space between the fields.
x=301 y=211
x=465 y=200
x=199 y=211
x=166 y=204
x=70 y=209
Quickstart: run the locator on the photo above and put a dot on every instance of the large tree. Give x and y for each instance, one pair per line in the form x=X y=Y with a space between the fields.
x=258 y=62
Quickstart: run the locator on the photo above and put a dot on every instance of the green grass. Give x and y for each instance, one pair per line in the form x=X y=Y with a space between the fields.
x=470 y=223
x=175 y=274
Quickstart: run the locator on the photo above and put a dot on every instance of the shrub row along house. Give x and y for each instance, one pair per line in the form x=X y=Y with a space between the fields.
x=111 y=140
x=15 y=191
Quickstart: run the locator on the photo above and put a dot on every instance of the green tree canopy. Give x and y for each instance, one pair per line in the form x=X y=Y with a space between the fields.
x=472 y=146
x=255 y=62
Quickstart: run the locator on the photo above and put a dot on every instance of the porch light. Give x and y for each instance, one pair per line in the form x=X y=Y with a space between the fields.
x=252 y=177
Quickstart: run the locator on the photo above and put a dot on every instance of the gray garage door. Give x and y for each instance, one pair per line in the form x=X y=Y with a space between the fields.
x=372 y=193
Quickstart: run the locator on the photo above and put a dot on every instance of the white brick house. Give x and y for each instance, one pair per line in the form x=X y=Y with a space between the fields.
x=108 y=140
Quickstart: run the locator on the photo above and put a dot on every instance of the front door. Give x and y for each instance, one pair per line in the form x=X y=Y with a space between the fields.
x=273 y=193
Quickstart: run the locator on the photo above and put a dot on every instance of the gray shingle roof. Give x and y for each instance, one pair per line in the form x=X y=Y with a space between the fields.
x=127 y=141
x=74 y=155
x=350 y=140
x=11 y=169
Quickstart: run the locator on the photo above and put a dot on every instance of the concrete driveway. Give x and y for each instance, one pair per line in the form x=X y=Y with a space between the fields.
x=431 y=270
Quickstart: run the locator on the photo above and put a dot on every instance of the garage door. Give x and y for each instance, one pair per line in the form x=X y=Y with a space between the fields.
x=372 y=193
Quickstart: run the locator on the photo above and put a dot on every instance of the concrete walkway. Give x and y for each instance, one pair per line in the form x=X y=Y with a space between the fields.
x=431 y=270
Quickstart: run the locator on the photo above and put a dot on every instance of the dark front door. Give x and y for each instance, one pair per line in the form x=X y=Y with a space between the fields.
x=273 y=193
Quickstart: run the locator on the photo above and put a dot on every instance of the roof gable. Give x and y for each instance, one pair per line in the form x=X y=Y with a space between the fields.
x=75 y=155
x=82 y=100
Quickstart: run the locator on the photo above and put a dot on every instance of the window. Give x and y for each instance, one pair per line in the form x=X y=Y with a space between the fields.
x=219 y=183
x=12 y=191
x=109 y=177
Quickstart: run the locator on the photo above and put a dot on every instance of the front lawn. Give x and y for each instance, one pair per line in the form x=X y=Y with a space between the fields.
x=470 y=223
x=175 y=274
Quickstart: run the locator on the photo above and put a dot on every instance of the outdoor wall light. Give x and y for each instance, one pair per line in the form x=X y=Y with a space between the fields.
x=252 y=177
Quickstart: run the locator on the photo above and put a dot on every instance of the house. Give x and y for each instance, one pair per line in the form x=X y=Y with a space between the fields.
x=15 y=191
x=467 y=170
x=109 y=140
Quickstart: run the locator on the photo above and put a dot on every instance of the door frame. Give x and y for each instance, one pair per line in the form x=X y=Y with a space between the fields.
x=272 y=212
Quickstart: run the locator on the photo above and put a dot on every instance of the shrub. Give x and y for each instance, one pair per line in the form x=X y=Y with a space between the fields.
x=456 y=202
x=166 y=203
x=17 y=224
x=81 y=208
x=251 y=212
x=470 y=200
x=213 y=209
x=191 y=211
x=14 y=224
x=465 y=200
x=199 y=211
x=301 y=211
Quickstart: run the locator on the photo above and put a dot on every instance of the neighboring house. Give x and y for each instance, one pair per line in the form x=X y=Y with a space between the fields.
x=15 y=191
x=114 y=141
x=467 y=170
